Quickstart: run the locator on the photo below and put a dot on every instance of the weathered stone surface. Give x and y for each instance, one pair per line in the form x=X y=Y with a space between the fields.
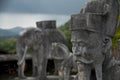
x=108 y=10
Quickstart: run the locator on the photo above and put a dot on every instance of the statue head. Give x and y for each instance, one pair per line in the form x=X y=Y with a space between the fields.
x=85 y=39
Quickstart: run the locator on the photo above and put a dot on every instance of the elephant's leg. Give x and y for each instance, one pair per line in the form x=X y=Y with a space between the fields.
x=42 y=65
x=84 y=71
x=61 y=74
x=98 y=70
x=67 y=73
x=57 y=65
x=34 y=65
x=64 y=73
x=87 y=72
x=80 y=74
x=21 y=66
x=21 y=69
x=21 y=51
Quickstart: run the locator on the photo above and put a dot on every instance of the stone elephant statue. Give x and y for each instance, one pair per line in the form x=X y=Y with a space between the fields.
x=67 y=66
x=66 y=62
x=55 y=36
x=59 y=53
x=36 y=40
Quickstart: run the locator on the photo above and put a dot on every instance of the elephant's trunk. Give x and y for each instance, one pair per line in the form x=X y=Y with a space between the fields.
x=64 y=48
x=23 y=58
x=84 y=60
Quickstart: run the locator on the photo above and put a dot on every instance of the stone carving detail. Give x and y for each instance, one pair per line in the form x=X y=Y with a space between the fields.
x=92 y=32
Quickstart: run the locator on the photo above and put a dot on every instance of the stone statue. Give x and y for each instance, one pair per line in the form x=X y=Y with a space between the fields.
x=54 y=36
x=66 y=63
x=36 y=40
x=87 y=47
x=92 y=33
x=55 y=51
x=39 y=41
x=67 y=66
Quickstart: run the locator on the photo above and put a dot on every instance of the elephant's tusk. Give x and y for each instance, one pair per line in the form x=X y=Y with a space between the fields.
x=20 y=62
x=81 y=59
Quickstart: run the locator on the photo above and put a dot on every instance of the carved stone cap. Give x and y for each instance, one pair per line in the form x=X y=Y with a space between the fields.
x=50 y=24
x=86 y=21
x=78 y=21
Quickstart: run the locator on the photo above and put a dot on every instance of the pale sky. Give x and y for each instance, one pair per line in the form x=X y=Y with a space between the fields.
x=29 y=20
x=25 y=13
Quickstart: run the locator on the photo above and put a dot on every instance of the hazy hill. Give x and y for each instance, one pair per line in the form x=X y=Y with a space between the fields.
x=10 y=32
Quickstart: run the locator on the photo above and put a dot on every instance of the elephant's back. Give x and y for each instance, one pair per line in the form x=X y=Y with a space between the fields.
x=57 y=36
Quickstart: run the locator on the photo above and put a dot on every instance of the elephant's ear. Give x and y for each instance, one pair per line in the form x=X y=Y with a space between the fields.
x=35 y=35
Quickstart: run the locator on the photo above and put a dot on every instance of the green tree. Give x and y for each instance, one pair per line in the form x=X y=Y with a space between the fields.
x=8 y=45
x=66 y=30
x=117 y=35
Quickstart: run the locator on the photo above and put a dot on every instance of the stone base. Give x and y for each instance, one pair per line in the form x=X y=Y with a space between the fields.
x=52 y=77
x=27 y=78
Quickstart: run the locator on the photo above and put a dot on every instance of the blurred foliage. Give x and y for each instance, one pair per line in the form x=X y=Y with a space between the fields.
x=117 y=35
x=8 y=45
x=66 y=30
